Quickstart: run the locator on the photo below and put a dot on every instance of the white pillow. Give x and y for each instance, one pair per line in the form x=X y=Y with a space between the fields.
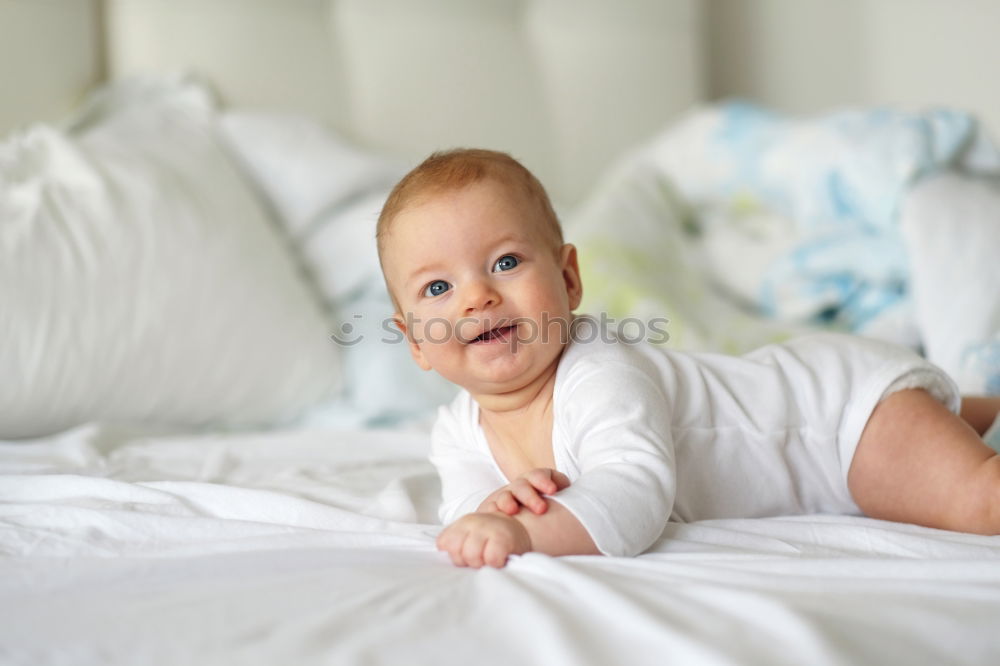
x=314 y=168
x=951 y=227
x=140 y=279
x=329 y=194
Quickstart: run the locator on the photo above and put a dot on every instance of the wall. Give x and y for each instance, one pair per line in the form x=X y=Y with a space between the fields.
x=807 y=55
x=797 y=55
x=50 y=55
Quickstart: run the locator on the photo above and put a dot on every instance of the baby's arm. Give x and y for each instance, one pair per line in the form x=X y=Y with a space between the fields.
x=620 y=434
x=487 y=538
x=557 y=532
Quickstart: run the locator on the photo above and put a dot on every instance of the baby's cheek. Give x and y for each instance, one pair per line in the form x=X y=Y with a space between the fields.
x=556 y=330
x=437 y=331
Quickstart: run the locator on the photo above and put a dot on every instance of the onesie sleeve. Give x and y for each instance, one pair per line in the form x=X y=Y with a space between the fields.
x=467 y=472
x=615 y=420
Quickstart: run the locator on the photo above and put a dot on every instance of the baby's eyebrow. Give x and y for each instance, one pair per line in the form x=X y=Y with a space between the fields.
x=509 y=238
x=415 y=274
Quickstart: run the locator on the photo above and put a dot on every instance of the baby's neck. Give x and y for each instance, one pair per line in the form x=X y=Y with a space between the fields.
x=518 y=427
x=498 y=407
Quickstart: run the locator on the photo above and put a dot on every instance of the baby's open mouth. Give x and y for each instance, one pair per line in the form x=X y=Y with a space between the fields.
x=500 y=333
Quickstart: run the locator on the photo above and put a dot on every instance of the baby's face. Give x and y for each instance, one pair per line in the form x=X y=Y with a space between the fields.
x=485 y=297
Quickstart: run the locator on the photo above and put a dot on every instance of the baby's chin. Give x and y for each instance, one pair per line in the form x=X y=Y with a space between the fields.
x=504 y=379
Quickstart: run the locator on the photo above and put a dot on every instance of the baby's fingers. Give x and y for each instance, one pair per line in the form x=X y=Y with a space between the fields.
x=495 y=553
x=561 y=480
x=464 y=547
x=526 y=494
x=450 y=541
x=546 y=480
x=507 y=504
x=471 y=554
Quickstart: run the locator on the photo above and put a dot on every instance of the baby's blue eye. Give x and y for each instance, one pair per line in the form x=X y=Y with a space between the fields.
x=505 y=263
x=436 y=288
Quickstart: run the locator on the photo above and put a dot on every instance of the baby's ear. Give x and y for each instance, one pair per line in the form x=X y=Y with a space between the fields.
x=415 y=351
x=571 y=275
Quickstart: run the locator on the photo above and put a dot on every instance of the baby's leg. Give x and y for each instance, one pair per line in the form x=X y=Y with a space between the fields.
x=980 y=412
x=917 y=462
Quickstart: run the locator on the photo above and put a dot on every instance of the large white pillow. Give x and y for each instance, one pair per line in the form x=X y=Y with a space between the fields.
x=302 y=167
x=328 y=194
x=141 y=280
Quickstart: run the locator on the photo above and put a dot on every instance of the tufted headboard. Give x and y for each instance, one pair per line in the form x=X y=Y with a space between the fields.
x=564 y=85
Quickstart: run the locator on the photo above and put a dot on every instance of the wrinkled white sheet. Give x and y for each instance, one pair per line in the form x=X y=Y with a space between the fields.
x=318 y=547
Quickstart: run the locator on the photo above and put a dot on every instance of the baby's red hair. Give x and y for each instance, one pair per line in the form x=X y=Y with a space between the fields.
x=454 y=169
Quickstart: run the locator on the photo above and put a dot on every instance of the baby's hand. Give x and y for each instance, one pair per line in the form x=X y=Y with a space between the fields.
x=479 y=539
x=524 y=491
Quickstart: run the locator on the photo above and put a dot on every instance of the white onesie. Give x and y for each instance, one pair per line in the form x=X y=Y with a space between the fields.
x=648 y=435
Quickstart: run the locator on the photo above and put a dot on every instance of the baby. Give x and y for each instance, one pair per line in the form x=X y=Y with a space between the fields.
x=568 y=441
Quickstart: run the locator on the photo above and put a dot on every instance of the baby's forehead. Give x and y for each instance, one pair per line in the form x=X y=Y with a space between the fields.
x=446 y=196
x=521 y=216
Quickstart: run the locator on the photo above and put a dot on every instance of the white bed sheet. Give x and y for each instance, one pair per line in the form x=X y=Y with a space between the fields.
x=305 y=547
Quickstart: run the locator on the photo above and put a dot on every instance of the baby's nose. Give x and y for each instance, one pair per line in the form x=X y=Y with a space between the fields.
x=481 y=295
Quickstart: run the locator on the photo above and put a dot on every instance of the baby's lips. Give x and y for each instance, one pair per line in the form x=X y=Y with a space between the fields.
x=467 y=332
x=483 y=327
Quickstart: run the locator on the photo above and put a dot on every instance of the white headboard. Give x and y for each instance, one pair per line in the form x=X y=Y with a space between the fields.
x=564 y=85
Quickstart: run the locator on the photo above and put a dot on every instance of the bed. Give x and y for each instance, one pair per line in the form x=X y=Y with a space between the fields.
x=213 y=449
